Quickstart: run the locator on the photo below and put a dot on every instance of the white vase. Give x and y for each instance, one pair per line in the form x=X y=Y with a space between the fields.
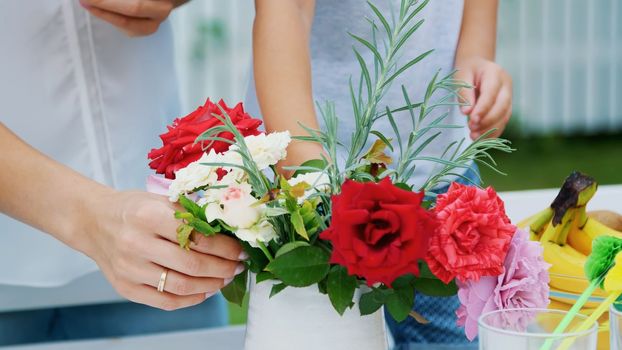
x=303 y=318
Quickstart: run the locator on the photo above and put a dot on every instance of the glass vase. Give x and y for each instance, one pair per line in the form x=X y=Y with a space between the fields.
x=531 y=329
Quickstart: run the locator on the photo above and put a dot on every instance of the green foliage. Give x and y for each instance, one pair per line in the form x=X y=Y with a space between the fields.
x=288 y=247
x=340 y=287
x=399 y=299
x=310 y=166
x=193 y=208
x=277 y=288
x=235 y=291
x=300 y=267
x=258 y=260
x=190 y=223
x=184 y=231
x=429 y=284
x=264 y=276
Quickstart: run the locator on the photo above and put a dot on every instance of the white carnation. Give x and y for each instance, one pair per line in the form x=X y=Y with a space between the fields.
x=265 y=149
x=319 y=182
x=261 y=232
x=194 y=175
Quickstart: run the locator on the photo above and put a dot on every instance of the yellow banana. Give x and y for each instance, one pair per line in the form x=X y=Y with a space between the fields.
x=537 y=223
x=581 y=237
x=566 y=269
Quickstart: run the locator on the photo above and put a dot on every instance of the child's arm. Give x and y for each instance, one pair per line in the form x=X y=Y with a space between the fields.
x=282 y=66
x=491 y=99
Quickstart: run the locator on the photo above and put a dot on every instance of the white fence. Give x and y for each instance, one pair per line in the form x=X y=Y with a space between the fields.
x=565 y=58
x=213 y=49
x=564 y=55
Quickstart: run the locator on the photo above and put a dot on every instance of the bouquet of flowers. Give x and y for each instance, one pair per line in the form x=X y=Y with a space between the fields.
x=343 y=223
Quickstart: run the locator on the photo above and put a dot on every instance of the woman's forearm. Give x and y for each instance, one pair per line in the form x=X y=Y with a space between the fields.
x=42 y=192
x=282 y=67
x=478 y=33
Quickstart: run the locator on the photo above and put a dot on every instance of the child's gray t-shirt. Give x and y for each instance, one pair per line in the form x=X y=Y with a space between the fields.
x=333 y=63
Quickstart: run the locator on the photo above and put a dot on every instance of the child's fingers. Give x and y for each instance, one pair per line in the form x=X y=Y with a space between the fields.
x=488 y=89
x=498 y=112
x=467 y=95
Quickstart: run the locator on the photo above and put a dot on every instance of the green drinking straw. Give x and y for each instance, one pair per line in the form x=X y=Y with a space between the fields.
x=613 y=286
x=598 y=264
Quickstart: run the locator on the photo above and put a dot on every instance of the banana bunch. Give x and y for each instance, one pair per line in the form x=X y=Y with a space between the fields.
x=566 y=231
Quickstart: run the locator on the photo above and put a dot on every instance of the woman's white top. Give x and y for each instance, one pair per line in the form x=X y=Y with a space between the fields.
x=83 y=93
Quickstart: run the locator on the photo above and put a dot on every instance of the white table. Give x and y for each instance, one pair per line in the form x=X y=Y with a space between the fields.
x=94 y=289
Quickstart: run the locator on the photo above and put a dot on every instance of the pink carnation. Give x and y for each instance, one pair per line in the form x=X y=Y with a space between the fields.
x=524 y=283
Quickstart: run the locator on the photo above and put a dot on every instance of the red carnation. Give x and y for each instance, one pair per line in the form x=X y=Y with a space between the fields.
x=473 y=235
x=378 y=231
x=179 y=149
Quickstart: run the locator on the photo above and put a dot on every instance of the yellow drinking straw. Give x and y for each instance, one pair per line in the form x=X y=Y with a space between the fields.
x=613 y=286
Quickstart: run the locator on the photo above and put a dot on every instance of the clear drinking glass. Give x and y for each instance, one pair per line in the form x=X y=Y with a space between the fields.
x=615 y=327
x=529 y=329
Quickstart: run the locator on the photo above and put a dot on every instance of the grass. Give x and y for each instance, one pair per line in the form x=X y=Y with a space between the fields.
x=539 y=163
x=545 y=162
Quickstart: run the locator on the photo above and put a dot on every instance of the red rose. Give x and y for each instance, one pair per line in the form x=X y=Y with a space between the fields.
x=378 y=231
x=473 y=235
x=179 y=149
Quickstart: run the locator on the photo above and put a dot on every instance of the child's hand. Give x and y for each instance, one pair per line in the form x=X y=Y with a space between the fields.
x=490 y=101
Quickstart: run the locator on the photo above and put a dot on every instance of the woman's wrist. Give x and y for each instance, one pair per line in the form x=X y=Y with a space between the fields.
x=92 y=209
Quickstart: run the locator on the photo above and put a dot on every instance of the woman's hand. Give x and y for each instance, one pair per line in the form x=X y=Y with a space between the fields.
x=490 y=99
x=133 y=17
x=132 y=237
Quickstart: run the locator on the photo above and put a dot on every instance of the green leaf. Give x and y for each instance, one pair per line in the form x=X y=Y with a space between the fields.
x=398 y=306
x=321 y=286
x=406 y=66
x=192 y=207
x=203 y=227
x=318 y=164
x=277 y=288
x=401 y=300
x=235 y=291
x=301 y=267
x=364 y=72
x=382 y=19
x=258 y=260
x=371 y=48
x=299 y=224
x=372 y=301
x=404 y=186
x=183 y=215
x=340 y=287
x=272 y=212
x=429 y=284
x=183 y=235
x=288 y=247
x=264 y=276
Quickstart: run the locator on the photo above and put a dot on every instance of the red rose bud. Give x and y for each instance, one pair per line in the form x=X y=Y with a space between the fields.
x=473 y=235
x=178 y=147
x=378 y=231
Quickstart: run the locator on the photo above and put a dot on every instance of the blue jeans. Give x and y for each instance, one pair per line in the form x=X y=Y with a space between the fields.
x=106 y=320
x=440 y=311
